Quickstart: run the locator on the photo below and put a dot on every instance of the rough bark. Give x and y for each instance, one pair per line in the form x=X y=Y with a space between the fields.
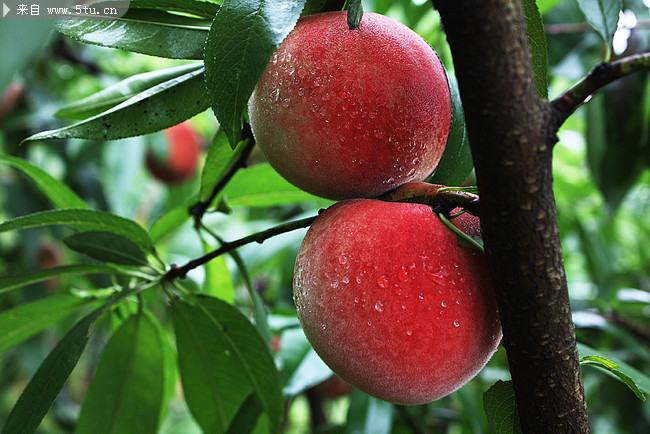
x=512 y=133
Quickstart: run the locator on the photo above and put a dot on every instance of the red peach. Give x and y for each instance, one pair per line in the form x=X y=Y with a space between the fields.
x=178 y=160
x=392 y=303
x=346 y=113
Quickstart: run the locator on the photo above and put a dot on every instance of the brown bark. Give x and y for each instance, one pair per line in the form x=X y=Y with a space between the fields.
x=512 y=133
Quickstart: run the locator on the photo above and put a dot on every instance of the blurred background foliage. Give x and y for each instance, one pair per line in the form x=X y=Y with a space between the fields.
x=602 y=186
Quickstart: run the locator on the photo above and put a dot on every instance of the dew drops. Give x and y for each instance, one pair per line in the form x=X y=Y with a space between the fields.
x=382 y=281
x=358 y=279
x=346 y=280
x=403 y=274
x=443 y=303
x=456 y=323
x=380 y=306
x=409 y=333
x=421 y=296
x=335 y=284
x=343 y=259
x=356 y=300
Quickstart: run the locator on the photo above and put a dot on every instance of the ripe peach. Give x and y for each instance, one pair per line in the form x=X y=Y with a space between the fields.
x=352 y=113
x=178 y=159
x=391 y=301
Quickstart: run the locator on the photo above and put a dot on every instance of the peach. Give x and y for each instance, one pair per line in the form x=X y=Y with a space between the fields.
x=392 y=303
x=352 y=113
x=178 y=159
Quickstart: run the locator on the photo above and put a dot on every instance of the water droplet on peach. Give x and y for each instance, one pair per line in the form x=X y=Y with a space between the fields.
x=382 y=281
x=456 y=323
x=379 y=306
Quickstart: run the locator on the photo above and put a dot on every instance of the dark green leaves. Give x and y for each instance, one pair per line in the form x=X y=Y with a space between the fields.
x=107 y=247
x=159 y=107
x=122 y=91
x=241 y=41
x=456 y=163
x=26 y=320
x=127 y=392
x=223 y=361
x=58 y=193
x=84 y=220
x=50 y=377
x=637 y=381
x=500 y=408
x=537 y=41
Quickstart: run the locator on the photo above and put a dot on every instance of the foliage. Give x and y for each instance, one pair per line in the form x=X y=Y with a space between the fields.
x=107 y=338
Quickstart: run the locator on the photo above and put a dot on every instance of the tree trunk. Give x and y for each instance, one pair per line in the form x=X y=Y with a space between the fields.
x=511 y=134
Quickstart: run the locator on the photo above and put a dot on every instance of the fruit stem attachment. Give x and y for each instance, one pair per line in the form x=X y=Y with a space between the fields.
x=355 y=11
x=463 y=238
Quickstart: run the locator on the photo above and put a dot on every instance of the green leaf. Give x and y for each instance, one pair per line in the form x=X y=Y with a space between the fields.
x=45 y=385
x=261 y=186
x=144 y=31
x=18 y=52
x=456 y=163
x=168 y=223
x=302 y=368
x=57 y=192
x=636 y=380
x=200 y=8
x=122 y=91
x=8 y=283
x=223 y=360
x=218 y=162
x=218 y=282
x=243 y=37
x=537 y=41
x=501 y=409
x=617 y=125
x=27 y=319
x=107 y=247
x=126 y=393
x=369 y=415
x=546 y=5
x=160 y=107
x=603 y=16
x=82 y=219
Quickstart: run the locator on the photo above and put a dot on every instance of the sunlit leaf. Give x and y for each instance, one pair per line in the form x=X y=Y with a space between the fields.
x=637 y=381
x=261 y=186
x=369 y=415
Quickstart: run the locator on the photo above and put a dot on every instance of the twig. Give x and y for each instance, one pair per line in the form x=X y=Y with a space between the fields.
x=198 y=210
x=603 y=74
x=258 y=237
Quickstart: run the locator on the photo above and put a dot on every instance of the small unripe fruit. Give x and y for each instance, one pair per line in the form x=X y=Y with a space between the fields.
x=392 y=303
x=178 y=158
x=346 y=113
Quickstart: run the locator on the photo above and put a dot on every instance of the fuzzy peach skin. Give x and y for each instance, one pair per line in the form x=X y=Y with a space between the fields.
x=352 y=113
x=392 y=303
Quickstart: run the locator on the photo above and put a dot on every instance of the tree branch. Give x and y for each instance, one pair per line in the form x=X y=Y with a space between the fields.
x=603 y=74
x=199 y=209
x=511 y=135
x=258 y=237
